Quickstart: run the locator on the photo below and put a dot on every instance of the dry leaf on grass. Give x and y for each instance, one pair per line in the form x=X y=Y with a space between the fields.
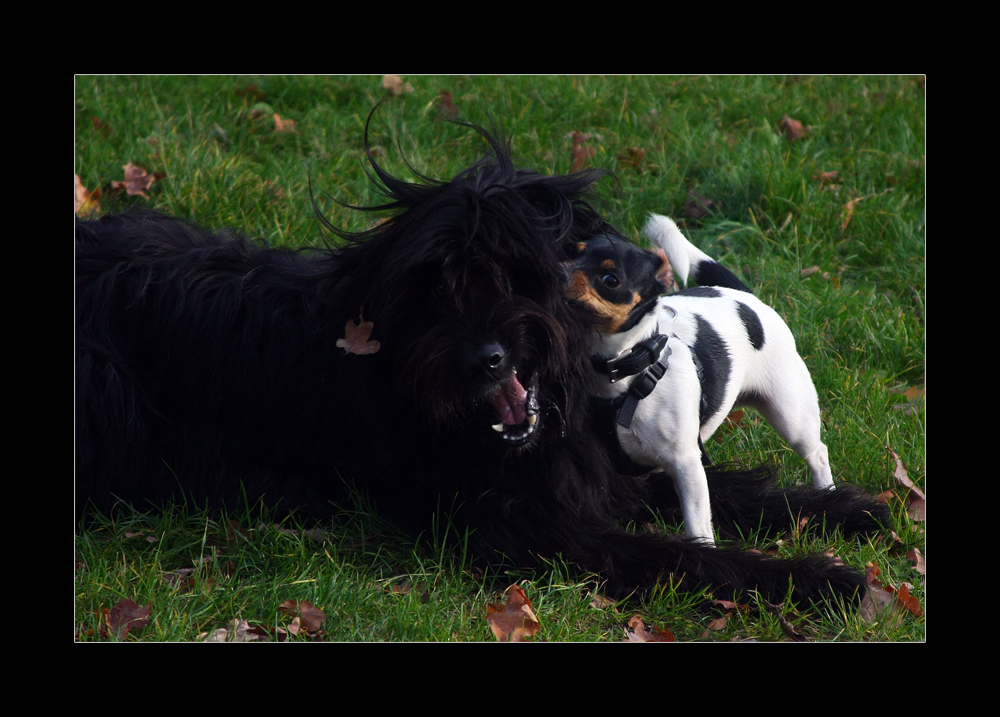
x=885 y=601
x=126 y=616
x=827 y=179
x=632 y=157
x=238 y=631
x=849 y=207
x=697 y=206
x=515 y=620
x=307 y=616
x=917 y=499
x=446 y=105
x=284 y=125
x=394 y=85
x=581 y=153
x=640 y=633
x=786 y=626
x=792 y=128
x=136 y=181
x=85 y=202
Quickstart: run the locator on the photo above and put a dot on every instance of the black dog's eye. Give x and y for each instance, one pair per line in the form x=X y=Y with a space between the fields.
x=611 y=281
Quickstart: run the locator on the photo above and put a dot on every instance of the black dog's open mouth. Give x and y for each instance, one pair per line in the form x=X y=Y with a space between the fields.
x=517 y=408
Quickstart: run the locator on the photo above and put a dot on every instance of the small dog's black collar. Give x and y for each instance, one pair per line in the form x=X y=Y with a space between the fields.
x=646 y=358
x=639 y=358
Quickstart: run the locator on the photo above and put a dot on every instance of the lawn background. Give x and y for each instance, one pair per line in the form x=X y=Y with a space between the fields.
x=814 y=190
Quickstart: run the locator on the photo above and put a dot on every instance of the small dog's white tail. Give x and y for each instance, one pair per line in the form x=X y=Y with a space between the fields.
x=688 y=260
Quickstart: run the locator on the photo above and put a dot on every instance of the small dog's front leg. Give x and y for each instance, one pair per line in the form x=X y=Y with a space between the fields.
x=691 y=484
x=671 y=442
x=819 y=466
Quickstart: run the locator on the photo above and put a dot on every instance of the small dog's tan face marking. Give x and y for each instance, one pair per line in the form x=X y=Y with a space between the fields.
x=613 y=315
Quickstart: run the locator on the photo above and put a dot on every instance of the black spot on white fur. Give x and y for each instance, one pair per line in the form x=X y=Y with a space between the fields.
x=751 y=322
x=710 y=273
x=714 y=357
x=706 y=292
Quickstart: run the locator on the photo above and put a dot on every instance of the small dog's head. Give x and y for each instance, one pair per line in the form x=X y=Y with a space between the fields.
x=616 y=280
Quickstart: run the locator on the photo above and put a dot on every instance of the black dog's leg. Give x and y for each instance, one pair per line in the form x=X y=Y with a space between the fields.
x=633 y=562
x=748 y=500
x=638 y=560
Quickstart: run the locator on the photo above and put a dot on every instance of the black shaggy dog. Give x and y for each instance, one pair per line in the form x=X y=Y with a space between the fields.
x=214 y=369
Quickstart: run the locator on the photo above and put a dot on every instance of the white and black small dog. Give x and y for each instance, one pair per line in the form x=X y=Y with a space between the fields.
x=670 y=368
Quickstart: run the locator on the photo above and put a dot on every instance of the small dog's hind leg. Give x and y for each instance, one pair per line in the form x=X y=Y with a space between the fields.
x=794 y=414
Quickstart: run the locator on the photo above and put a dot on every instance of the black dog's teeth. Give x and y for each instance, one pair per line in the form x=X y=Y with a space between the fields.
x=520 y=432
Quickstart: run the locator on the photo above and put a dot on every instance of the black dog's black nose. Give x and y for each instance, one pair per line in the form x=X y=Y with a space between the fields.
x=491 y=357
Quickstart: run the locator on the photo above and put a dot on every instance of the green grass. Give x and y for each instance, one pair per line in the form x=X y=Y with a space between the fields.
x=858 y=321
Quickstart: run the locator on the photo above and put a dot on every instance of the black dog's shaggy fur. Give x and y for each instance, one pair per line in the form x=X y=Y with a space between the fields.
x=208 y=369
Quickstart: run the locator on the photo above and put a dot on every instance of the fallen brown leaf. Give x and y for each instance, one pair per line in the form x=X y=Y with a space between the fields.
x=792 y=128
x=85 y=202
x=357 y=338
x=446 y=105
x=136 y=181
x=406 y=586
x=515 y=620
x=601 y=602
x=238 y=631
x=632 y=157
x=580 y=153
x=914 y=400
x=640 y=633
x=718 y=623
x=914 y=556
x=309 y=616
x=885 y=600
x=101 y=126
x=916 y=496
x=123 y=618
x=284 y=125
x=394 y=85
x=917 y=509
x=698 y=206
x=849 y=207
x=253 y=93
x=786 y=626
x=885 y=497
x=827 y=178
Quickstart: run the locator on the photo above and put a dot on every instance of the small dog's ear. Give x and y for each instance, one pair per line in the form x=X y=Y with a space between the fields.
x=665 y=273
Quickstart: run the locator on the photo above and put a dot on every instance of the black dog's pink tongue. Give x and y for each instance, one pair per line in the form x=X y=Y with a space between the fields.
x=510 y=401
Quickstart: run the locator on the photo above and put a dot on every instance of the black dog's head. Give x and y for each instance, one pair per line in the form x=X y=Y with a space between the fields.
x=616 y=280
x=465 y=288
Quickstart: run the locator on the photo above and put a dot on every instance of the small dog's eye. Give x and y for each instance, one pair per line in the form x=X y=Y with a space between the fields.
x=611 y=281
